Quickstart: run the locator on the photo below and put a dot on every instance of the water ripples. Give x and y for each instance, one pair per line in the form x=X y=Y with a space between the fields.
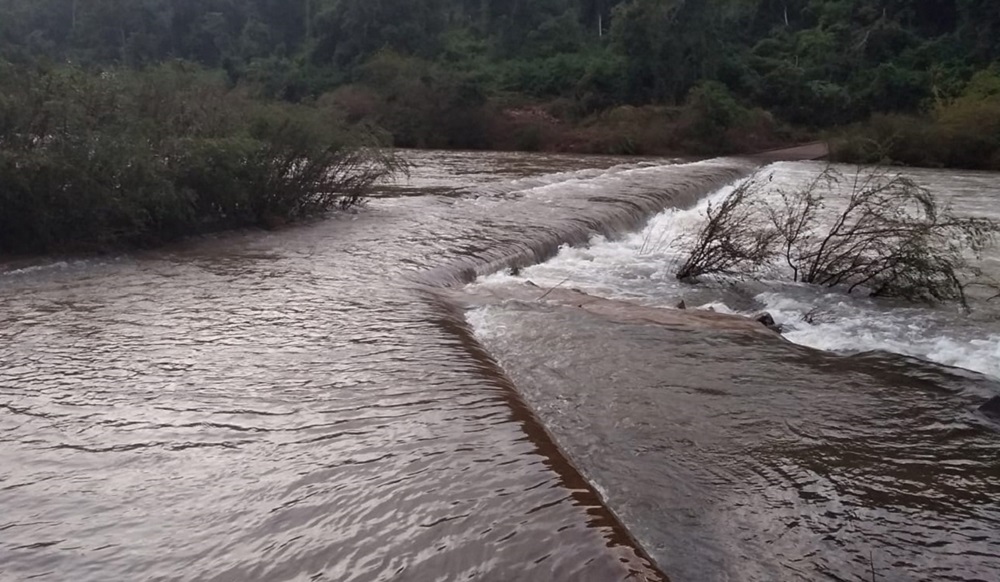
x=309 y=404
x=287 y=406
x=736 y=456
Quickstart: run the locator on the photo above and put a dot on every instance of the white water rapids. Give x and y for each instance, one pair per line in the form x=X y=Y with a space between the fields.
x=640 y=268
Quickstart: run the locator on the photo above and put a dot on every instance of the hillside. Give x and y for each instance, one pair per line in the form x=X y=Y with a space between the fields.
x=606 y=75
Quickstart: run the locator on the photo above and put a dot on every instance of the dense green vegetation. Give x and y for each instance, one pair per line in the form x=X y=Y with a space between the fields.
x=89 y=162
x=449 y=72
x=914 y=80
x=962 y=131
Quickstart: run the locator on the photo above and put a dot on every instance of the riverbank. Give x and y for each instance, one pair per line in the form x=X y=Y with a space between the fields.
x=125 y=159
x=709 y=122
x=959 y=132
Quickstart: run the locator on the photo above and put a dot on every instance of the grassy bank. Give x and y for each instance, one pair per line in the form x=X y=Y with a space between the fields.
x=91 y=161
x=958 y=132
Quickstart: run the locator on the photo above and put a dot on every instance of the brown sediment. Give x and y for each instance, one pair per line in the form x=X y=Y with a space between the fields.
x=451 y=304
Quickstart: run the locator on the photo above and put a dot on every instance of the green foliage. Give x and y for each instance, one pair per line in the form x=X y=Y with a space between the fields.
x=421 y=104
x=710 y=112
x=94 y=161
x=813 y=63
x=962 y=132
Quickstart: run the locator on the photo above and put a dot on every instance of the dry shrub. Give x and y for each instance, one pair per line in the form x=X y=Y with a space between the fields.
x=875 y=232
x=733 y=238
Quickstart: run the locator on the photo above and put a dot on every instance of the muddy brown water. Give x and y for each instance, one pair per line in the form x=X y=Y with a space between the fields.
x=309 y=405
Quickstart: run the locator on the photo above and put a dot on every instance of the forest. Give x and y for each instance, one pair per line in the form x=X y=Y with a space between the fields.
x=443 y=73
x=899 y=81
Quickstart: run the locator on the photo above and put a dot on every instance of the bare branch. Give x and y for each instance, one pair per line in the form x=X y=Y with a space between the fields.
x=887 y=237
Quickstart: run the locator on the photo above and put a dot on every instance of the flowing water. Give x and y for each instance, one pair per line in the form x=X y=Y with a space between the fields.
x=312 y=403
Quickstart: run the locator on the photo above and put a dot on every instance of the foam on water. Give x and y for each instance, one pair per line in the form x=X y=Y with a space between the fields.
x=639 y=267
x=852 y=325
x=34 y=268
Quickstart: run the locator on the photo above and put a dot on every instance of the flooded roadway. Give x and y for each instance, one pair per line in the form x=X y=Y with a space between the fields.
x=307 y=405
x=288 y=406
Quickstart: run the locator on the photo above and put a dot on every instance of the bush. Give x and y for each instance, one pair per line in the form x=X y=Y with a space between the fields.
x=422 y=105
x=875 y=232
x=92 y=161
x=712 y=109
x=713 y=122
x=962 y=133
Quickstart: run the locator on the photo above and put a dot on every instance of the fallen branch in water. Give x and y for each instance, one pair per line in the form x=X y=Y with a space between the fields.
x=874 y=232
x=553 y=288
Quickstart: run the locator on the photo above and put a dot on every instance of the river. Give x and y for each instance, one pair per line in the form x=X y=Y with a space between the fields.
x=331 y=402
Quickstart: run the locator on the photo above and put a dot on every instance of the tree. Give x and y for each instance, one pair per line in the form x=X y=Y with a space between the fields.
x=874 y=231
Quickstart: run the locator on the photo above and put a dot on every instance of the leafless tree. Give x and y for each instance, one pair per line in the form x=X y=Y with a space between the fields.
x=875 y=232
x=731 y=239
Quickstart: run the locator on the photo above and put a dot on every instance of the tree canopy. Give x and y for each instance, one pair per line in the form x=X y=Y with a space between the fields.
x=814 y=63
